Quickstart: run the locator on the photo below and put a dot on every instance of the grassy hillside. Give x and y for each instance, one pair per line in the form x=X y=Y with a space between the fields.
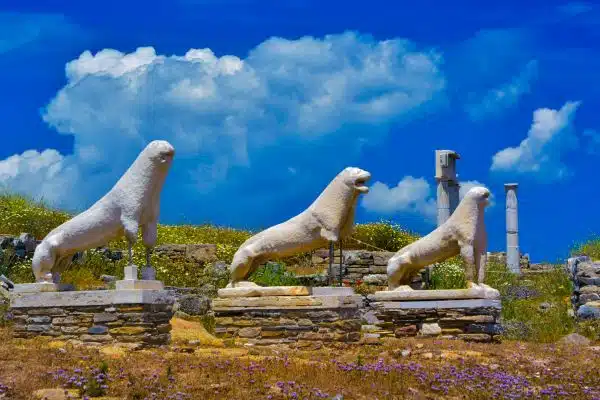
x=19 y=214
x=534 y=307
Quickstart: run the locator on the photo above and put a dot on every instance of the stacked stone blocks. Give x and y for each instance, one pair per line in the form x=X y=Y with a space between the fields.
x=95 y=316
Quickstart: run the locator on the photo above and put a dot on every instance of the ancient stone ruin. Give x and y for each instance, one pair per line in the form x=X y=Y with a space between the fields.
x=585 y=275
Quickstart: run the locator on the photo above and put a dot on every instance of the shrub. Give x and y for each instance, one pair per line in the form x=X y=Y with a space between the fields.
x=534 y=307
x=448 y=275
x=273 y=274
x=384 y=235
x=589 y=248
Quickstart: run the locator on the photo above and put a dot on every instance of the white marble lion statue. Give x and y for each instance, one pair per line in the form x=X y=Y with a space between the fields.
x=328 y=219
x=131 y=204
x=463 y=233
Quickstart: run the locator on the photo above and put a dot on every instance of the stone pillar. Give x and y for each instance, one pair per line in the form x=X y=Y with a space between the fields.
x=513 y=258
x=447 y=183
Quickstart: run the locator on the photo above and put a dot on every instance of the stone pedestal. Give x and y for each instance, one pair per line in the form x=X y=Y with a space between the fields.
x=131 y=282
x=468 y=314
x=303 y=316
x=35 y=287
x=97 y=316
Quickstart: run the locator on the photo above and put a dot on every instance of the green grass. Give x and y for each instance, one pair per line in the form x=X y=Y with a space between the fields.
x=534 y=306
x=449 y=275
x=20 y=214
x=590 y=248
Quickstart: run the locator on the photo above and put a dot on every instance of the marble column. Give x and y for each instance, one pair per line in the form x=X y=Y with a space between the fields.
x=443 y=202
x=447 y=184
x=513 y=258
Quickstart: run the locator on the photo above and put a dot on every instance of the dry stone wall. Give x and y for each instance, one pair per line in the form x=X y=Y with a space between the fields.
x=138 y=317
x=585 y=275
x=475 y=320
x=147 y=325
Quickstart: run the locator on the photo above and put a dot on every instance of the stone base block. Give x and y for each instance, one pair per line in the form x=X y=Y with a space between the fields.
x=101 y=316
x=406 y=293
x=292 y=320
x=260 y=291
x=469 y=320
x=35 y=287
x=247 y=289
x=135 y=284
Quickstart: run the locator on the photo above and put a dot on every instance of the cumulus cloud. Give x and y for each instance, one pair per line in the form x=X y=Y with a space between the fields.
x=410 y=196
x=41 y=175
x=550 y=136
x=233 y=119
x=505 y=96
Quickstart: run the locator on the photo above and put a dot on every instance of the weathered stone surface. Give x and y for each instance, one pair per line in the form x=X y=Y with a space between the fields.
x=144 y=284
x=96 y=338
x=430 y=329
x=164 y=328
x=575 y=339
x=375 y=279
x=200 y=253
x=331 y=291
x=438 y=304
x=42 y=319
x=128 y=330
x=138 y=323
x=260 y=291
x=37 y=287
x=587 y=297
x=271 y=302
x=52 y=312
x=70 y=320
x=408 y=330
x=90 y=298
x=97 y=330
x=589 y=310
x=476 y=337
x=589 y=289
x=249 y=332
x=73 y=329
x=405 y=293
x=38 y=328
x=192 y=304
x=105 y=317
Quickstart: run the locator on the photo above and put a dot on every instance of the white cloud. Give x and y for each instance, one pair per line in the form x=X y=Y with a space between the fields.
x=41 y=175
x=411 y=195
x=550 y=136
x=506 y=96
x=222 y=114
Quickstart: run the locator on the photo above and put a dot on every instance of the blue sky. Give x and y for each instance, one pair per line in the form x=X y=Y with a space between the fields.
x=266 y=101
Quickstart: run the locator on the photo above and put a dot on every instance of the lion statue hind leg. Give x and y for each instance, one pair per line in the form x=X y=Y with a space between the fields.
x=43 y=261
x=400 y=271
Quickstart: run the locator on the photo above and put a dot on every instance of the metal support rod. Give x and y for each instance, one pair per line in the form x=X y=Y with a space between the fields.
x=341 y=262
x=330 y=272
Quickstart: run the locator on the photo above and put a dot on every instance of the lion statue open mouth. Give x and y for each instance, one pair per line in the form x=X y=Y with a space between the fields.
x=328 y=219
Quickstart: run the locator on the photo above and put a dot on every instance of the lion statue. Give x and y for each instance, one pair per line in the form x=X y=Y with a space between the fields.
x=133 y=203
x=463 y=233
x=328 y=219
